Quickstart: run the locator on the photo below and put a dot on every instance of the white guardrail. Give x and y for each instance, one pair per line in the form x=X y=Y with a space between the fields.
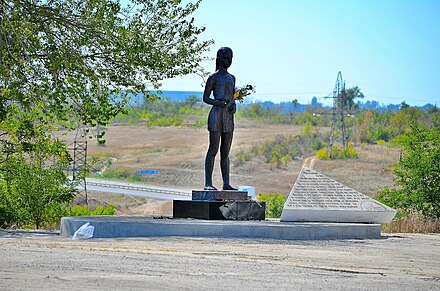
x=136 y=189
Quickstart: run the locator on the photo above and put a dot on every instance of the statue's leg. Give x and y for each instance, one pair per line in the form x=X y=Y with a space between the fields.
x=224 y=158
x=214 y=141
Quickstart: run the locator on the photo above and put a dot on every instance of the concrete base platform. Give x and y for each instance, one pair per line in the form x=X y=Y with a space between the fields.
x=141 y=226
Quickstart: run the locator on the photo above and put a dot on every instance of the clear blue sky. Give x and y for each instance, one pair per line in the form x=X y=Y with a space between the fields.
x=294 y=49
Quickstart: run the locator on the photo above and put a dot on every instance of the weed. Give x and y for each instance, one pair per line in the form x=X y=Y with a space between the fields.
x=412 y=224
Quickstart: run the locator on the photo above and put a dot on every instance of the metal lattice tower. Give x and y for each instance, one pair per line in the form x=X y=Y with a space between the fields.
x=79 y=166
x=338 y=105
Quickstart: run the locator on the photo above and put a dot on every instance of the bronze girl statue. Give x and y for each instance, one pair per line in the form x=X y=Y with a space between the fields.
x=221 y=117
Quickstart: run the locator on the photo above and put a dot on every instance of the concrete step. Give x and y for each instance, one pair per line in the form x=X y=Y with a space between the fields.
x=141 y=226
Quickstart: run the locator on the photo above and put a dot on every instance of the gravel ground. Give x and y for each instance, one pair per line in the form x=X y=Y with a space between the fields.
x=32 y=260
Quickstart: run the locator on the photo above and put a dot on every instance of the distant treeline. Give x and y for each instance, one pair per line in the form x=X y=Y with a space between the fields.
x=362 y=125
x=282 y=107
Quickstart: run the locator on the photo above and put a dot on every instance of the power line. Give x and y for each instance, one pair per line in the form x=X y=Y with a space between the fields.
x=290 y=93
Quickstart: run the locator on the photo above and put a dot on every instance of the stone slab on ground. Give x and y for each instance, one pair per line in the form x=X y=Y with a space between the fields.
x=140 y=226
x=318 y=198
x=220 y=195
x=244 y=210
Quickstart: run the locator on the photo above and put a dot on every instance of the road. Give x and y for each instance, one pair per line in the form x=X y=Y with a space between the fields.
x=309 y=162
x=46 y=261
x=150 y=191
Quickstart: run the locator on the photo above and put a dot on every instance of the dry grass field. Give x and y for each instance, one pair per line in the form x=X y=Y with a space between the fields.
x=178 y=153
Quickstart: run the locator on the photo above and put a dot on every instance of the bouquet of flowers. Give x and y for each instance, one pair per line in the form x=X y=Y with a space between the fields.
x=240 y=93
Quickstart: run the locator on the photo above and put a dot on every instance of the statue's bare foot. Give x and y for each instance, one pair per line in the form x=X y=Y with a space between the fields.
x=210 y=188
x=229 y=187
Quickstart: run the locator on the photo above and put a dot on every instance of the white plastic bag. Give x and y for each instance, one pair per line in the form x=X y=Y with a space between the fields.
x=84 y=232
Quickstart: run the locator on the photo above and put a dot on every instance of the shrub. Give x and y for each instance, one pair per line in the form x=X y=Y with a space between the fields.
x=280 y=150
x=278 y=159
x=417 y=182
x=200 y=123
x=107 y=210
x=352 y=153
x=241 y=157
x=83 y=210
x=117 y=173
x=318 y=144
x=77 y=210
x=307 y=129
x=166 y=121
x=337 y=153
x=274 y=203
x=334 y=151
x=130 y=116
x=348 y=153
x=322 y=154
x=32 y=195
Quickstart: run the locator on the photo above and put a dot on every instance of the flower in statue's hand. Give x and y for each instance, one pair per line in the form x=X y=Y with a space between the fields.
x=241 y=92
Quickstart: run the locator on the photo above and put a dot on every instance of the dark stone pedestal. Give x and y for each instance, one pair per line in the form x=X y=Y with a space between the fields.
x=217 y=195
x=219 y=205
x=197 y=209
x=219 y=210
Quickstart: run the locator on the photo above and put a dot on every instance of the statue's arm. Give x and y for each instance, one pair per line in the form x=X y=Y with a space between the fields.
x=232 y=107
x=208 y=89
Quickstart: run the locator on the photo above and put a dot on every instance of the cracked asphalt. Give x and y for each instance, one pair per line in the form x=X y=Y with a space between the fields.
x=32 y=260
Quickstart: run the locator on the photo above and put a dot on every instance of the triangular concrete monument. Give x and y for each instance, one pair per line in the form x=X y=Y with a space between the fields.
x=318 y=198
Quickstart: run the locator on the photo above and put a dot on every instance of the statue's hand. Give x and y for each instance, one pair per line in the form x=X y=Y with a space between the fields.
x=232 y=107
x=223 y=102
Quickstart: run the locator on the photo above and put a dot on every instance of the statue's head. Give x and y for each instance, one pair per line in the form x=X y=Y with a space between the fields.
x=224 y=58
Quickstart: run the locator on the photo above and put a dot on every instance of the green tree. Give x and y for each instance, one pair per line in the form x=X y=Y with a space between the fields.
x=82 y=59
x=76 y=63
x=434 y=116
x=33 y=183
x=192 y=101
x=417 y=173
x=404 y=105
x=295 y=104
x=350 y=95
